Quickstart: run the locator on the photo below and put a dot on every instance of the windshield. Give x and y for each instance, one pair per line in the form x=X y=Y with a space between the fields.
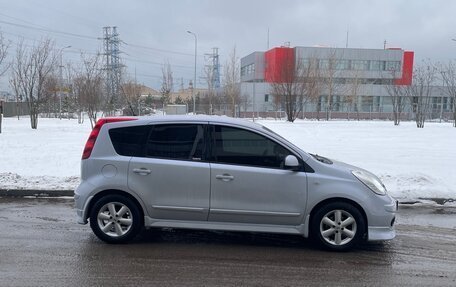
x=296 y=148
x=274 y=133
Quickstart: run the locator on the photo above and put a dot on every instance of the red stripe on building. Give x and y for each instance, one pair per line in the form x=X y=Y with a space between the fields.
x=279 y=64
x=407 y=69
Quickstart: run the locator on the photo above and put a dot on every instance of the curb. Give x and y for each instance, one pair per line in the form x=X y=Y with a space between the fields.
x=35 y=192
x=70 y=193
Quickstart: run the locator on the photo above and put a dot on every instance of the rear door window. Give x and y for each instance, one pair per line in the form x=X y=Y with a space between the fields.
x=177 y=142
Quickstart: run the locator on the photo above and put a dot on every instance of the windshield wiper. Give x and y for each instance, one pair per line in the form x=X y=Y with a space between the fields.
x=321 y=158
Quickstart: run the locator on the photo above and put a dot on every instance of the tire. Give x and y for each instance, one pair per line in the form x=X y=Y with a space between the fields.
x=116 y=219
x=338 y=226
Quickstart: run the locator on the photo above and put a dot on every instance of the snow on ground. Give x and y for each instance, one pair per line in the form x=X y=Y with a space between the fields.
x=46 y=158
x=413 y=163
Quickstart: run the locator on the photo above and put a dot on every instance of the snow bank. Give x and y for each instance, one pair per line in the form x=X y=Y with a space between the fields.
x=413 y=163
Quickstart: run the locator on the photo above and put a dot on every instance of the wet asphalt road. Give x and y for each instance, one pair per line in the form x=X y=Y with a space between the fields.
x=42 y=245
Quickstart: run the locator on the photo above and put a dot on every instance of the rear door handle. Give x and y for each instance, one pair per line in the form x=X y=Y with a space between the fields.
x=142 y=171
x=224 y=177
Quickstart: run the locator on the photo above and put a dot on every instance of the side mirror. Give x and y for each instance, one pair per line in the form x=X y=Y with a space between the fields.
x=291 y=163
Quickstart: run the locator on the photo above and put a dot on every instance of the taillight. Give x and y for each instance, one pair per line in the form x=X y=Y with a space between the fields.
x=96 y=130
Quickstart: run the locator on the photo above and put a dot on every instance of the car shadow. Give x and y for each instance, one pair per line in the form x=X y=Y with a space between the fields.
x=231 y=238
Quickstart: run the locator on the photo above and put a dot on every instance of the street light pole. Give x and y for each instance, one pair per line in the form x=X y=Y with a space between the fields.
x=194 y=75
x=61 y=80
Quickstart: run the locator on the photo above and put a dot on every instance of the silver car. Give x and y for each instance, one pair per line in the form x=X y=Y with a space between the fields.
x=219 y=173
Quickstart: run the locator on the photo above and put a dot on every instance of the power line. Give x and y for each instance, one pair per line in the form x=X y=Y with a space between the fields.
x=155 y=63
x=45 y=29
x=158 y=50
x=57 y=48
x=21 y=20
x=136 y=48
x=49 y=30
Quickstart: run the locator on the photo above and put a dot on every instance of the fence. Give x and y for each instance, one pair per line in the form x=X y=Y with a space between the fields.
x=13 y=109
x=378 y=114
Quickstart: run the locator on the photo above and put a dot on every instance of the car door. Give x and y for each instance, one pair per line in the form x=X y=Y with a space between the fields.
x=249 y=183
x=174 y=175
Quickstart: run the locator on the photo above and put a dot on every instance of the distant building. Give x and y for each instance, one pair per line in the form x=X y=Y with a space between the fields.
x=373 y=70
x=185 y=95
x=146 y=91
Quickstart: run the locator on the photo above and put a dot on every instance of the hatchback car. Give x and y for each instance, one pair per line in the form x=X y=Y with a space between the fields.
x=219 y=173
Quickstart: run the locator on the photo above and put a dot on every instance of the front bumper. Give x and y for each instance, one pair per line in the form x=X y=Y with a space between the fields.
x=384 y=229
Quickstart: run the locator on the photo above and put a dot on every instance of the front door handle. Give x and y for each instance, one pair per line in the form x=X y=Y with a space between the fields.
x=142 y=171
x=224 y=177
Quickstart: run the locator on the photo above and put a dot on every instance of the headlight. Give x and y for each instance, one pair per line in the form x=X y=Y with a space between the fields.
x=371 y=181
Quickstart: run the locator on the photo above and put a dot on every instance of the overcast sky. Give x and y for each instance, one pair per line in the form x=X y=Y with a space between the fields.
x=425 y=27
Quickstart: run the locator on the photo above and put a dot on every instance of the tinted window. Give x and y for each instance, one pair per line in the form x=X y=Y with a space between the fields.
x=129 y=141
x=176 y=141
x=238 y=146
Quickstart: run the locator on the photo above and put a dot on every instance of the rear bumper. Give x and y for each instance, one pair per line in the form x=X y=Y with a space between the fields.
x=81 y=200
x=80 y=215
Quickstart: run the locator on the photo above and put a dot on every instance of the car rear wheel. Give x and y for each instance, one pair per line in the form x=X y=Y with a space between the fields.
x=115 y=219
x=338 y=226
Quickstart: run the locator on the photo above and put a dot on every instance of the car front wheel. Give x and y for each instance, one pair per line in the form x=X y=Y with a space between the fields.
x=115 y=219
x=338 y=226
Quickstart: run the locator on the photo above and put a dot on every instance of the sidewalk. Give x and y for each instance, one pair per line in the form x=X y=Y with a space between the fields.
x=35 y=192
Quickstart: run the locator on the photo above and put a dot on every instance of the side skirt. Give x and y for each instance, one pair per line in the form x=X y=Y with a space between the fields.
x=226 y=226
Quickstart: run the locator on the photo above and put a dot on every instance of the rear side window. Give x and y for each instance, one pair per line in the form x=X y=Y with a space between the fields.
x=176 y=141
x=129 y=141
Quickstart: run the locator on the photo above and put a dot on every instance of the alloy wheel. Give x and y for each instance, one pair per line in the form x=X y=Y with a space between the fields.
x=338 y=227
x=114 y=219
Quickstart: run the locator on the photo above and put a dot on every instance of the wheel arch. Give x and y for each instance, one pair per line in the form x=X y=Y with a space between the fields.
x=106 y=192
x=332 y=200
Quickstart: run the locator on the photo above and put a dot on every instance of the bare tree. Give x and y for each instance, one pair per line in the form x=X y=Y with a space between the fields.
x=296 y=84
x=14 y=84
x=419 y=92
x=232 y=81
x=448 y=74
x=4 y=45
x=312 y=82
x=31 y=69
x=50 y=96
x=244 y=102
x=397 y=94
x=167 y=84
x=72 y=101
x=88 y=88
x=353 y=85
x=330 y=73
x=131 y=93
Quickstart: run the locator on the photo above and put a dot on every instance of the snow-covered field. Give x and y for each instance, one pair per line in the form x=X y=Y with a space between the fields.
x=413 y=163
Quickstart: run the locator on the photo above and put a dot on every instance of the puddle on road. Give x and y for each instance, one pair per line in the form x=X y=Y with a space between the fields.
x=438 y=216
